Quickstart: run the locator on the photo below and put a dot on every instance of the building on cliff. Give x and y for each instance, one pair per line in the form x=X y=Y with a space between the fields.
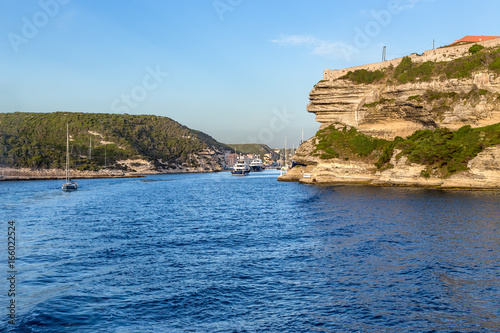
x=473 y=39
x=443 y=54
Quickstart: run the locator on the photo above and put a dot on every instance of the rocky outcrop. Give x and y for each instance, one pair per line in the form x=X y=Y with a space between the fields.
x=483 y=173
x=389 y=110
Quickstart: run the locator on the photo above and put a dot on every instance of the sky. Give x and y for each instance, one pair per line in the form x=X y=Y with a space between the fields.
x=238 y=70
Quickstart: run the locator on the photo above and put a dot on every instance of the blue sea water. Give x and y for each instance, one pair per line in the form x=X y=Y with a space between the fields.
x=217 y=253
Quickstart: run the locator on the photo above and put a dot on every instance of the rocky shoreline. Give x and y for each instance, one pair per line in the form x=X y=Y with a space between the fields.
x=483 y=172
x=23 y=174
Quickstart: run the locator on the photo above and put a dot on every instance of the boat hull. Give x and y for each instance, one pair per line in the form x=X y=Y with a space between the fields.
x=256 y=168
x=69 y=187
x=240 y=172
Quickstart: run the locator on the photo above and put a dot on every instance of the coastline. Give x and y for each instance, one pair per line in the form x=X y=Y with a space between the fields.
x=25 y=174
x=462 y=181
x=482 y=173
x=331 y=182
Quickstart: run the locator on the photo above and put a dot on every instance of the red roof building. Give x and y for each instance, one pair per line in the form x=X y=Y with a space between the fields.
x=473 y=39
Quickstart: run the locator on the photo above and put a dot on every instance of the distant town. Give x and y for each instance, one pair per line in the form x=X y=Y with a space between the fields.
x=274 y=158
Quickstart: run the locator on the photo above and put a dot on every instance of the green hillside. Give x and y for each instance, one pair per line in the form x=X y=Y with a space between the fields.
x=251 y=148
x=38 y=140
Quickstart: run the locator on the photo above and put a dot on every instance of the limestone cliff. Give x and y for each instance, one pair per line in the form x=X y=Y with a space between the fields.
x=388 y=109
x=483 y=171
x=442 y=89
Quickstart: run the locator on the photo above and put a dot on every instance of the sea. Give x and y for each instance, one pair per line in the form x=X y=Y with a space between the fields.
x=217 y=253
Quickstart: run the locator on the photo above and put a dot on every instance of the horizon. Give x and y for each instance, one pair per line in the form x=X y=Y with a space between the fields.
x=249 y=66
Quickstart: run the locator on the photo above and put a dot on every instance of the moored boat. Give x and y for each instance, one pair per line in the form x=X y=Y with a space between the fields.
x=241 y=168
x=257 y=164
x=69 y=185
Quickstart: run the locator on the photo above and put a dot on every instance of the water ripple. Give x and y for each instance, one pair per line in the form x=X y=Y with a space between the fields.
x=215 y=253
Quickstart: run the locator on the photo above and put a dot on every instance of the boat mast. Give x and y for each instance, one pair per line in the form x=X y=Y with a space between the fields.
x=67 y=152
x=286 y=157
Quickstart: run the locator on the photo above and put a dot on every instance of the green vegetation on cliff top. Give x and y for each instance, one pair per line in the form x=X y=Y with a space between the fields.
x=364 y=76
x=408 y=71
x=38 y=140
x=442 y=151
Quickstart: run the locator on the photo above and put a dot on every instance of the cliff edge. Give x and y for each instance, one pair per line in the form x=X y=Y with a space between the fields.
x=421 y=120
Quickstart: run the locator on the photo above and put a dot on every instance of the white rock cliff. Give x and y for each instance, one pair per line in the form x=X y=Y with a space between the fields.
x=388 y=109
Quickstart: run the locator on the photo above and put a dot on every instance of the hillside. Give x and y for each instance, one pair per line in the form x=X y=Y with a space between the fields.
x=252 y=148
x=421 y=120
x=122 y=142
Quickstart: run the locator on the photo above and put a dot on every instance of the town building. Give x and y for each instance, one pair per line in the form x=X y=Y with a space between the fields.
x=473 y=39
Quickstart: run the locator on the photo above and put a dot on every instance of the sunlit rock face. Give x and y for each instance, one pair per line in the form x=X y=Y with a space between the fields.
x=389 y=110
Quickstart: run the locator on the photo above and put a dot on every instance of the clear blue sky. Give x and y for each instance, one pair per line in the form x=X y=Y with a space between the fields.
x=239 y=70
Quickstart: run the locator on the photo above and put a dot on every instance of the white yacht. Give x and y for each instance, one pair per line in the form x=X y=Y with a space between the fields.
x=241 y=168
x=257 y=164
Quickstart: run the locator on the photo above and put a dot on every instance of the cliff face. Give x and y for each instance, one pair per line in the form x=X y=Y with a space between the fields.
x=387 y=110
x=483 y=172
x=467 y=90
x=447 y=88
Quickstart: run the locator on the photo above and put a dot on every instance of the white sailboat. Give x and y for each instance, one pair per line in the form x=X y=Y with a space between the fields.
x=285 y=167
x=69 y=185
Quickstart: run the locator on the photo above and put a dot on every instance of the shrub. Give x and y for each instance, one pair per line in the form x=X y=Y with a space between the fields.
x=334 y=143
x=442 y=149
x=475 y=48
x=364 y=76
x=495 y=65
x=403 y=66
x=463 y=67
x=425 y=173
x=432 y=95
x=407 y=71
x=362 y=145
x=387 y=152
x=329 y=154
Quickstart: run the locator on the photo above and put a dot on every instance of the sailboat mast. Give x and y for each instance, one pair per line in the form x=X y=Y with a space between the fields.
x=67 y=151
x=286 y=157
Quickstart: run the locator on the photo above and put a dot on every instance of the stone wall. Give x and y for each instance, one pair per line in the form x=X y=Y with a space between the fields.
x=442 y=54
